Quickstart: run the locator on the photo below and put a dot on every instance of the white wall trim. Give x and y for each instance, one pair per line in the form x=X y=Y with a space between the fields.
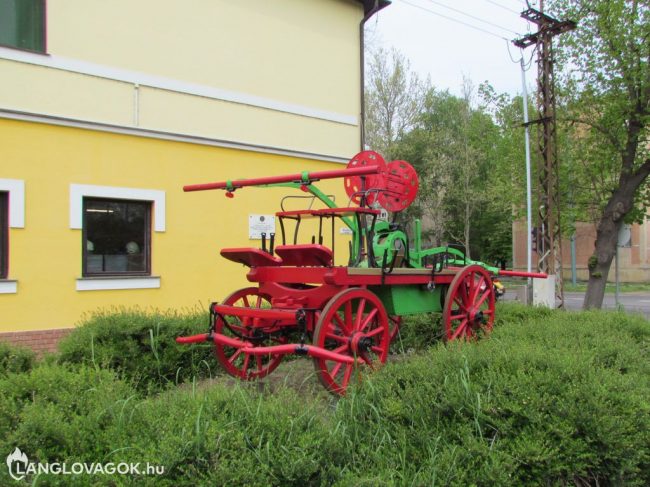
x=79 y=191
x=16 y=188
x=8 y=286
x=156 y=134
x=170 y=84
x=111 y=283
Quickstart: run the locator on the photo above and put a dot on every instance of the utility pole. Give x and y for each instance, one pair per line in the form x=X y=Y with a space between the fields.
x=549 y=248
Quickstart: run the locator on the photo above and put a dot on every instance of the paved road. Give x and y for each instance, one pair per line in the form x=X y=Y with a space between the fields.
x=637 y=302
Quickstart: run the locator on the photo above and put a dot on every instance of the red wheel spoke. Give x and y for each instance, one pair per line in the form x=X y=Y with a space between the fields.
x=347 y=375
x=375 y=332
x=377 y=350
x=458 y=317
x=342 y=325
x=246 y=303
x=459 y=330
x=338 y=338
x=340 y=349
x=359 y=316
x=258 y=303
x=488 y=312
x=367 y=360
x=477 y=288
x=247 y=358
x=336 y=369
x=460 y=304
x=235 y=355
x=483 y=298
x=368 y=319
x=348 y=315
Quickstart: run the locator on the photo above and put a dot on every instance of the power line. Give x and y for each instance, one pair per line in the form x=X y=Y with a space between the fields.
x=471 y=26
x=502 y=6
x=471 y=16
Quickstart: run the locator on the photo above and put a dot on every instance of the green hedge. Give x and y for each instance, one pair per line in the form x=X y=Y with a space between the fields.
x=551 y=398
x=15 y=359
x=141 y=346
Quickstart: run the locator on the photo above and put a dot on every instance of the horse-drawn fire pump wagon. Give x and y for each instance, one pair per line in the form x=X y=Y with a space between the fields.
x=343 y=317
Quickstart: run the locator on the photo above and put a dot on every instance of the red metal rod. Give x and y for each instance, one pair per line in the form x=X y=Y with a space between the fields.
x=286 y=178
x=247 y=347
x=540 y=275
x=230 y=342
x=203 y=337
x=523 y=274
x=311 y=350
x=217 y=338
x=268 y=313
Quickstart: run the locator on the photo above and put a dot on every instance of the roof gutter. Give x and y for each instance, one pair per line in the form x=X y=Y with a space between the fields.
x=370 y=8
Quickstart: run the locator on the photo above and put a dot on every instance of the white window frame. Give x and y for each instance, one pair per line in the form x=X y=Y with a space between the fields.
x=157 y=198
x=16 y=190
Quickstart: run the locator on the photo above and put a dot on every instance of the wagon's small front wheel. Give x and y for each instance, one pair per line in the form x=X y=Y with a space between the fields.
x=469 y=305
x=353 y=323
x=237 y=363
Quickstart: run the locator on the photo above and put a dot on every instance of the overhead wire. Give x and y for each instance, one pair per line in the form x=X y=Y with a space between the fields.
x=502 y=6
x=453 y=19
x=471 y=16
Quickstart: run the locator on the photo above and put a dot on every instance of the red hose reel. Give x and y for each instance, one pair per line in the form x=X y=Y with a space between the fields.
x=395 y=186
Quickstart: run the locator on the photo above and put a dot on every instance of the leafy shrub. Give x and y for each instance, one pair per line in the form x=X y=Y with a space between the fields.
x=221 y=435
x=550 y=398
x=141 y=346
x=60 y=413
x=417 y=333
x=15 y=359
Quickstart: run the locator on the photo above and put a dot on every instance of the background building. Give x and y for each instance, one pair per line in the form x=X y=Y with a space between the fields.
x=108 y=108
x=634 y=264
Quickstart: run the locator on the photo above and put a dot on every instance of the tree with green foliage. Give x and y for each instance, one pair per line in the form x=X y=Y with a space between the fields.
x=455 y=149
x=393 y=99
x=605 y=77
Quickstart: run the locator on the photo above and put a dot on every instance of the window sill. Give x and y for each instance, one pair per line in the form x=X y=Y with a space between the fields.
x=8 y=286
x=117 y=282
x=24 y=49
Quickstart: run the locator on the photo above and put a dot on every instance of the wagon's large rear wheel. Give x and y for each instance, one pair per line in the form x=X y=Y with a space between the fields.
x=353 y=323
x=237 y=363
x=469 y=305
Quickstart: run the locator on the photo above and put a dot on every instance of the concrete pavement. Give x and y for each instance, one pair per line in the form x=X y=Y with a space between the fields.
x=634 y=302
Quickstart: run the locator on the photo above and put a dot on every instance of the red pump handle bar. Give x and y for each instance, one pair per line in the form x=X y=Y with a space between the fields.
x=304 y=177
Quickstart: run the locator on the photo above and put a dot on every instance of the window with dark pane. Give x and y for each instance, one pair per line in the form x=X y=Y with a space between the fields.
x=116 y=237
x=22 y=24
x=4 y=234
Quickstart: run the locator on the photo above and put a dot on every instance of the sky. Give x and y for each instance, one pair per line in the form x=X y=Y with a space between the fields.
x=446 y=50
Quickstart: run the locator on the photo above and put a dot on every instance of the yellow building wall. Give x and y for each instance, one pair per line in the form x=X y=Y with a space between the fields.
x=291 y=66
x=45 y=256
x=297 y=51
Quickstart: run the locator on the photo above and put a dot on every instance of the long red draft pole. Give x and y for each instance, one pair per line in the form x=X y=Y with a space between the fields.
x=304 y=177
x=523 y=274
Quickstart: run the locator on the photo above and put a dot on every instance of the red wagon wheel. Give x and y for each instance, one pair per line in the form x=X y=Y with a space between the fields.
x=353 y=323
x=469 y=306
x=237 y=363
